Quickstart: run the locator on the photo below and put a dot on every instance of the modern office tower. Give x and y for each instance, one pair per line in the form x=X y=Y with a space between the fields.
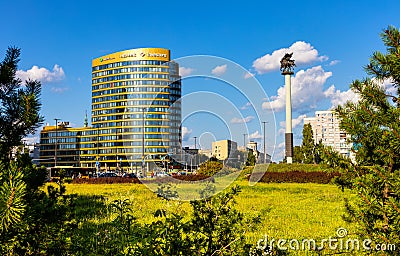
x=325 y=126
x=223 y=149
x=136 y=111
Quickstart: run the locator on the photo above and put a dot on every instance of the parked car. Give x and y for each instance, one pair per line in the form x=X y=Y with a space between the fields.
x=107 y=175
x=162 y=174
x=129 y=175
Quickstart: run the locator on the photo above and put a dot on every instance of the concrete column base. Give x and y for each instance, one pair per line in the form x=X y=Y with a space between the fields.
x=289 y=147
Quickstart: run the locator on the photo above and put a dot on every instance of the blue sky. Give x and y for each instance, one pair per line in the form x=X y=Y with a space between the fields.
x=331 y=39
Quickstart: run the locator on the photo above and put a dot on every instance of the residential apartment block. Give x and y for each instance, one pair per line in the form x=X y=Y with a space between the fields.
x=325 y=126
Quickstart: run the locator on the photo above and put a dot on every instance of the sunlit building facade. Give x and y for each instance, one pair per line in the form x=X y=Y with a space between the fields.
x=60 y=145
x=223 y=149
x=325 y=126
x=136 y=111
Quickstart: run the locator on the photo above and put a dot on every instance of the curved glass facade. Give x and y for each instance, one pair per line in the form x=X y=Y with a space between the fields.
x=134 y=100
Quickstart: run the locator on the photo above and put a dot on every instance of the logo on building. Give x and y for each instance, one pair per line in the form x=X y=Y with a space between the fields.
x=107 y=58
x=128 y=55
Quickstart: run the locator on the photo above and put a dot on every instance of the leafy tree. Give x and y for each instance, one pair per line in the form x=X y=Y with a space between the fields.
x=31 y=221
x=251 y=158
x=374 y=127
x=318 y=151
x=307 y=146
x=19 y=105
x=297 y=155
x=19 y=116
x=305 y=153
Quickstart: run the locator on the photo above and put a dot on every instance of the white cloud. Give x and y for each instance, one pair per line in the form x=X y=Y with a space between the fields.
x=298 y=121
x=279 y=152
x=255 y=136
x=248 y=75
x=185 y=71
x=389 y=87
x=186 y=133
x=307 y=90
x=303 y=53
x=247 y=119
x=334 y=62
x=219 y=70
x=339 y=97
x=246 y=106
x=295 y=123
x=59 y=89
x=42 y=74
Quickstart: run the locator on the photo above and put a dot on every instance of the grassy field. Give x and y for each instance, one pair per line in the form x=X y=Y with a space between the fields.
x=289 y=211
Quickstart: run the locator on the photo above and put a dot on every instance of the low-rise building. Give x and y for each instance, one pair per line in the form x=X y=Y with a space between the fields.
x=223 y=149
x=60 y=145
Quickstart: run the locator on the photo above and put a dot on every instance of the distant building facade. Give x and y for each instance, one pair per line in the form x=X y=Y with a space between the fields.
x=252 y=145
x=206 y=152
x=223 y=149
x=60 y=145
x=325 y=126
x=190 y=151
x=34 y=152
x=30 y=148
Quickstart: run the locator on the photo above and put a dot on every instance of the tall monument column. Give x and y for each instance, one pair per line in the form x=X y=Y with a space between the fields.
x=287 y=70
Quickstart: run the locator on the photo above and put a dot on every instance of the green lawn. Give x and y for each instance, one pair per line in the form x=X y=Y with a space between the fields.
x=289 y=211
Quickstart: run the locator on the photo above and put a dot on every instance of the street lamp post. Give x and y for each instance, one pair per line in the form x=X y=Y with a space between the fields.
x=244 y=141
x=55 y=147
x=98 y=159
x=195 y=147
x=143 y=126
x=265 y=152
x=244 y=147
x=116 y=148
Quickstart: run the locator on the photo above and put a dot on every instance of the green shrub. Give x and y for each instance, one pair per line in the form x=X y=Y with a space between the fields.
x=210 y=168
x=299 y=177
